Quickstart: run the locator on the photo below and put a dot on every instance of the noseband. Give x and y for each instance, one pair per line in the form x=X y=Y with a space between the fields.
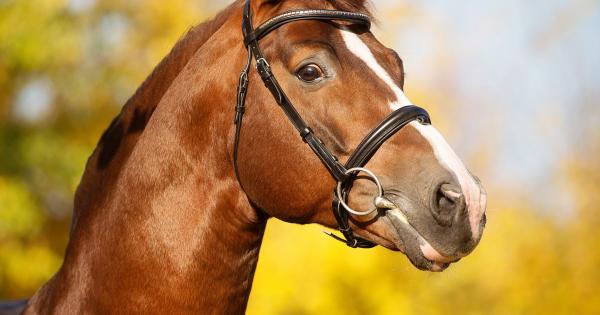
x=343 y=174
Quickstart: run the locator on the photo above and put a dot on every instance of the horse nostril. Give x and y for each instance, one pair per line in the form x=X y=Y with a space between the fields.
x=451 y=194
x=449 y=201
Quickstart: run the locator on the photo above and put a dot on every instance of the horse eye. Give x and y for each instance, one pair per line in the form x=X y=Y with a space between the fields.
x=310 y=73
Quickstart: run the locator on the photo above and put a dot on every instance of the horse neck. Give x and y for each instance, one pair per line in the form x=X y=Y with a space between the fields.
x=160 y=222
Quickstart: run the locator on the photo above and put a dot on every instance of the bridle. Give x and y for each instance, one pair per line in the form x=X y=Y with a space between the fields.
x=343 y=174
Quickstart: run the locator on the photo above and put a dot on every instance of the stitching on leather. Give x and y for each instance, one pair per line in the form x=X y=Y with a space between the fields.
x=324 y=13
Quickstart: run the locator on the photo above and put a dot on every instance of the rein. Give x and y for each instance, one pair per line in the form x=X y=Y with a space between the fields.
x=344 y=174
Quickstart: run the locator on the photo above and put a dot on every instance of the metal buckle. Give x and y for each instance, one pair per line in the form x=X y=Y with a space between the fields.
x=264 y=70
x=341 y=197
x=264 y=62
x=243 y=82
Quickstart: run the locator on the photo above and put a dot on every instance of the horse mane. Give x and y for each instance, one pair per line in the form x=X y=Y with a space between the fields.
x=137 y=111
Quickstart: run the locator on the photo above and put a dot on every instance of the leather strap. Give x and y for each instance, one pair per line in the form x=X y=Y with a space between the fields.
x=361 y=156
x=387 y=128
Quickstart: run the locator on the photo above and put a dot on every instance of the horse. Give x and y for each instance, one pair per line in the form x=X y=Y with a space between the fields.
x=174 y=201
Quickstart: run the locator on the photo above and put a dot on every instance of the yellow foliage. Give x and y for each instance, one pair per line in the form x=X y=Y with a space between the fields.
x=525 y=264
x=19 y=216
x=23 y=268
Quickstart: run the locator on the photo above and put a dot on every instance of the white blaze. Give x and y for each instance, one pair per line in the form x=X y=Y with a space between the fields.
x=442 y=150
x=362 y=51
x=450 y=161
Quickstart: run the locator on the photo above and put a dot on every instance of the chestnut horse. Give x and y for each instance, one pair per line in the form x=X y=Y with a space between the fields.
x=161 y=224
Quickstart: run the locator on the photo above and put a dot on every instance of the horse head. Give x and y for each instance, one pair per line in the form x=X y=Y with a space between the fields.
x=343 y=82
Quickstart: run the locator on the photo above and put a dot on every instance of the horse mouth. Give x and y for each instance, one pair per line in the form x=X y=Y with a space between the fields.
x=418 y=250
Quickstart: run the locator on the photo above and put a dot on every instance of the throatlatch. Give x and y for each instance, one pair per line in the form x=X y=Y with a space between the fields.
x=343 y=174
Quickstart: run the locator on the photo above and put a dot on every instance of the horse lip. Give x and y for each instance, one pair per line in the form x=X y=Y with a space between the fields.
x=415 y=254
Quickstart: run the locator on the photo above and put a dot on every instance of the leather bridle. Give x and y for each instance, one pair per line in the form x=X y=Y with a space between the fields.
x=343 y=174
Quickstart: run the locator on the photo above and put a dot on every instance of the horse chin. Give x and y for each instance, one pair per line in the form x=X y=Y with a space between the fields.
x=409 y=241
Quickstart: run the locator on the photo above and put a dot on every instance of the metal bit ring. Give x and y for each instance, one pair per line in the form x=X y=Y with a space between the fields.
x=341 y=197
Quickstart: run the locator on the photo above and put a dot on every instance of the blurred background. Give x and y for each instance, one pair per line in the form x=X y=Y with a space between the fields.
x=513 y=85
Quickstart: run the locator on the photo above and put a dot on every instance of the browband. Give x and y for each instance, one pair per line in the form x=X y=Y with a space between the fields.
x=343 y=174
x=299 y=15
